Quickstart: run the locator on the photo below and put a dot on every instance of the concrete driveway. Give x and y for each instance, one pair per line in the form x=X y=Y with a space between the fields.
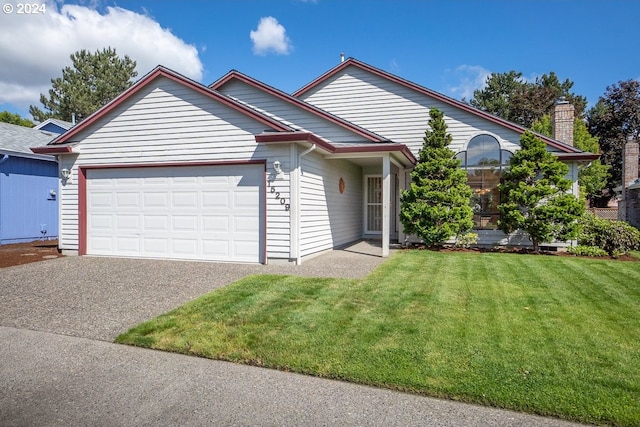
x=59 y=367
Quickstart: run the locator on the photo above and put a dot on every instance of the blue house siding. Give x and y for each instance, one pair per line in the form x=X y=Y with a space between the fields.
x=28 y=208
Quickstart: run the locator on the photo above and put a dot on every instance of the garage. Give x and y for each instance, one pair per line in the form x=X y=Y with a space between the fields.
x=204 y=212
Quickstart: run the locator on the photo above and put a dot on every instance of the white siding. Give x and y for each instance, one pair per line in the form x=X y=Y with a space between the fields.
x=165 y=122
x=397 y=112
x=288 y=113
x=327 y=217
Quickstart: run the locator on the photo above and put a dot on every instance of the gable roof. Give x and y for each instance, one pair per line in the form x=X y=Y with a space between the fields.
x=63 y=125
x=161 y=71
x=236 y=75
x=18 y=140
x=351 y=62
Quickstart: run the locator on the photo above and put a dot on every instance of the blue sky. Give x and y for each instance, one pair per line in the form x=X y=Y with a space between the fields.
x=447 y=46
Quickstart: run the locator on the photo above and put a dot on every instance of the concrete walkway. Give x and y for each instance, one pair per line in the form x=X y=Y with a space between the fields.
x=58 y=366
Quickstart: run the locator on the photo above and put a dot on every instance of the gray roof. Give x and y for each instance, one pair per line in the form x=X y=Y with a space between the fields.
x=21 y=139
x=57 y=122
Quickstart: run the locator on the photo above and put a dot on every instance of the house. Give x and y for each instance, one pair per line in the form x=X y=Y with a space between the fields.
x=629 y=198
x=54 y=126
x=241 y=171
x=28 y=186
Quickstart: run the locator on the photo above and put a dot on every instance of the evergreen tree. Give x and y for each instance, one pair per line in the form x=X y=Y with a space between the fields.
x=593 y=178
x=436 y=206
x=93 y=81
x=535 y=195
x=615 y=119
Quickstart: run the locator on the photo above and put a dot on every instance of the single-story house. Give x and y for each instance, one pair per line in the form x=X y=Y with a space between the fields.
x=28 y=186
x=241 y=171
x=56 y=126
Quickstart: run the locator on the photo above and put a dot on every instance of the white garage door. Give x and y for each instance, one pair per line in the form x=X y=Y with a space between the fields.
x=189 y=212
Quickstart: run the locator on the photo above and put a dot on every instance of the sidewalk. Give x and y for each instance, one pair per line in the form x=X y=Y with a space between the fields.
x=55 y=380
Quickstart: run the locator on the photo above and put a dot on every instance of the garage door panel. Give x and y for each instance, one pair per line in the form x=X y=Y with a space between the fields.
x=128 y=245
x=184 y=223
x=101 y=222
x=215 y=223
x=155 y=246
x=101 y=199
x=244 y=199
x=204 y=212
x=216 y=249
x=246 y=224
x=156 y=200
x=128 y=222
x=216 y=199
x=185 y=247
x=156 y=223
x=128 y=200
x=101 y=245
x=184 y=199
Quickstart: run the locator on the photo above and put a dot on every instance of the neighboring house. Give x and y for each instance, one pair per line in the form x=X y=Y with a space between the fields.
x=629 y=191
x=28 y=186
x=241 y=171
x=54 y=126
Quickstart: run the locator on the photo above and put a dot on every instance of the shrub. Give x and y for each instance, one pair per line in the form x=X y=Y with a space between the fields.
x=466 y=240
x=587 y=251
x=614 y=237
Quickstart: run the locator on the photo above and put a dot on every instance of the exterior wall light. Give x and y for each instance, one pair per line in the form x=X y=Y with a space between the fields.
x=66 y=173
x=277 y=167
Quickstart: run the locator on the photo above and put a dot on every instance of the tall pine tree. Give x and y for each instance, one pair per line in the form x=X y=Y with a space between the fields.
x=436 y=206
x=93 y=81
x=535 y=195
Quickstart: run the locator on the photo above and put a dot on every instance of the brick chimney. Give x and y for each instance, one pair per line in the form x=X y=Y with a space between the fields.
x=562 y=121
x=630 y=155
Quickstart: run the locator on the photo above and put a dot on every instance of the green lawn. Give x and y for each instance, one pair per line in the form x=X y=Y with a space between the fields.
x=548 y=335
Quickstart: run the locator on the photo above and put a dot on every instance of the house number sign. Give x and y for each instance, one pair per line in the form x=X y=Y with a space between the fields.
x=276 y=194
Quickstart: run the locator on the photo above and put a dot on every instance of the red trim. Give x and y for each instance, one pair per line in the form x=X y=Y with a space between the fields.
x=49 y=149
x=264 y=211
x=180 y=79
x=295 y=137
x=82 y=211
x=174 y=164
x=382 y=148
x=578 y=156
x=431 y=93
x=308 y=137
x=82 y=193
x=235 y=75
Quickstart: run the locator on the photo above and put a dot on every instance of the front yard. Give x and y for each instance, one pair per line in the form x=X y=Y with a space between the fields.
x=549 y=335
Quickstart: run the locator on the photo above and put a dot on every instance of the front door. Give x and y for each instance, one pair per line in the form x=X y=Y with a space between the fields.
x=373 y=208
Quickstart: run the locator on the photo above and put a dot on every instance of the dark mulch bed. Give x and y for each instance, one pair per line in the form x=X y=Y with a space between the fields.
x=24 y=253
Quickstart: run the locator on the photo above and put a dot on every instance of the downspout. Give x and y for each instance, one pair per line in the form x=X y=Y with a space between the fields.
x=297 y=195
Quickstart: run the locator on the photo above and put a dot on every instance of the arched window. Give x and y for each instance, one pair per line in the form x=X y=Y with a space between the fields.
x=484 y=161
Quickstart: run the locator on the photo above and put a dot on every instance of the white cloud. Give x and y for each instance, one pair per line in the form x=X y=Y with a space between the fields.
x=466 y=79
x=35 y=48
x=270 y=36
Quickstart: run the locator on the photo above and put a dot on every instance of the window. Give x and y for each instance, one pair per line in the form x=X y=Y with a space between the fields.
x=484 y=161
